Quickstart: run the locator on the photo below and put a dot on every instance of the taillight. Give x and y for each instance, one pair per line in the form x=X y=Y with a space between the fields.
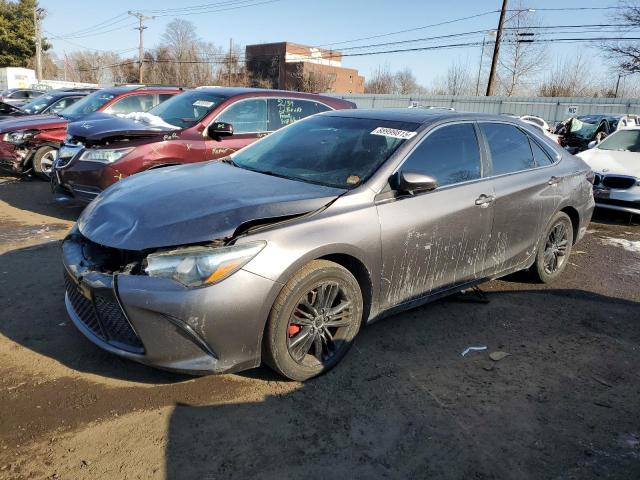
x=591 y=177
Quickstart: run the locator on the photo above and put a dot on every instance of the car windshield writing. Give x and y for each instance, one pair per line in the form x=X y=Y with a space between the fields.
x=327 y=150
x=187 y=108
x=87 y=105
x=622 y=140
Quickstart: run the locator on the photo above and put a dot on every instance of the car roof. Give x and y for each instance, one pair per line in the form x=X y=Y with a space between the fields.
x=118 y=90
x=415 y=115
x=234 y=91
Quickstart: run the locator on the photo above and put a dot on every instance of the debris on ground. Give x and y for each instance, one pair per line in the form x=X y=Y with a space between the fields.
x=497 y=356
x=477 y=348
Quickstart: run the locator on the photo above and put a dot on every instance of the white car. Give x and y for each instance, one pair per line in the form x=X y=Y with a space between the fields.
x=541 y=125
x=616 y=164
x=536 y=121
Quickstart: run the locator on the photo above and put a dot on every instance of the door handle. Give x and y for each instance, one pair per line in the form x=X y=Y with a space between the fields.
x=554 y=180
x=485 y=200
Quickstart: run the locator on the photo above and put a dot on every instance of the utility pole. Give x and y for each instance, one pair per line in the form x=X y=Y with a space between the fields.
x=230 y=53
x=38 y=13
x=496 y=50
x=141 y=18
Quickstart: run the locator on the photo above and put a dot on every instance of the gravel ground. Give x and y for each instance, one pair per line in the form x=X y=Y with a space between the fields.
x=564 y=404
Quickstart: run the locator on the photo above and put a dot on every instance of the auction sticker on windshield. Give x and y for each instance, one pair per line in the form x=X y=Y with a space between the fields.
x=203 y=103
x=392 y=132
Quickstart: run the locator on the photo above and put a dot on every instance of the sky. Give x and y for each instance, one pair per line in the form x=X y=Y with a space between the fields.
x=318 y=23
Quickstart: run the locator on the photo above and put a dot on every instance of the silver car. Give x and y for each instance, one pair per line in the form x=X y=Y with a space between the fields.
x=284 y=250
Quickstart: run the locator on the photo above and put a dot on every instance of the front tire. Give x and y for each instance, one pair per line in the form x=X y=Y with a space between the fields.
x=313 y=321
x=43 y=161
x=554 y=249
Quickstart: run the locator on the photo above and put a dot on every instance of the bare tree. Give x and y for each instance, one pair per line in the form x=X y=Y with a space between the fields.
x=521 y=59
x=381 y=81
x=627 y=53
x=312 y=80
x=457 y=81
x=405 y=82
x=569 y=78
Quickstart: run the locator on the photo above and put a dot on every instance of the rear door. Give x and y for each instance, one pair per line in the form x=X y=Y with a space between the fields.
x=526 y=195
x=437 y=239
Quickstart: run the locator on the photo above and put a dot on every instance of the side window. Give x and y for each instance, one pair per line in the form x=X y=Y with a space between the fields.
x=165 y=96
x=246 y=116
x=19 y=94
x=539 y=155
x=283 y=111
x=509 y=147
x=450 y=154
x=62 y=104
x=131 y=104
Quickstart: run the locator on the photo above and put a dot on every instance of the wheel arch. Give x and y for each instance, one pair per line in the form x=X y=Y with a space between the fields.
x=574 y=216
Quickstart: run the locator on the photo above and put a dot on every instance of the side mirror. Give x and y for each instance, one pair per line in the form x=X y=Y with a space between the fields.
x=413 y=182
x=219 y=130
x=592 y=144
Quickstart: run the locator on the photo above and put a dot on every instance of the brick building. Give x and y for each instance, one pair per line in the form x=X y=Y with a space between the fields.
x=290 y=66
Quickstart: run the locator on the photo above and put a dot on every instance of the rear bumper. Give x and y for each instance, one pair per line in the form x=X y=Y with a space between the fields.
x=160 y=323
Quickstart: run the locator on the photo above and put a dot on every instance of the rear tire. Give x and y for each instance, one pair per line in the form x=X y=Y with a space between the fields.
x=43 y=161
x=554 y=249
x=313 y=321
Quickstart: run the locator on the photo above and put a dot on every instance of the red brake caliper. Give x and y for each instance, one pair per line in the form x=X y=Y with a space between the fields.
x=293 y=330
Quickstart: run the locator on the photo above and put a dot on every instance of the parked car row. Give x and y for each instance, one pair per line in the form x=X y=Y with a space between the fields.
x=31 y=142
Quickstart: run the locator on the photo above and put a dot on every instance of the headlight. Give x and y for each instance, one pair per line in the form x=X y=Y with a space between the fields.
x=17 y=137
x=104 y=155
x=197 y=266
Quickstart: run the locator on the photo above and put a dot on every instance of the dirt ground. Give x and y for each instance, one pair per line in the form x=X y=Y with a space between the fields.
x=565 y=404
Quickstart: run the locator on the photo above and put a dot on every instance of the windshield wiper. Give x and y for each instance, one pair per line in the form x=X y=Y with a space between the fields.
x=229 y=161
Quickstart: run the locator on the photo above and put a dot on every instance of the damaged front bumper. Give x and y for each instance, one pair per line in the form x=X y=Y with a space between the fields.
x=13 y=157
x=158 y=322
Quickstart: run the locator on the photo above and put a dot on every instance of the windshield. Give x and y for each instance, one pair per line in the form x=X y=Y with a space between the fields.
x=582 y=129
x=622 y=140
x=38 y=104
x=187 y=108
x=327 y=150
x=87 y=105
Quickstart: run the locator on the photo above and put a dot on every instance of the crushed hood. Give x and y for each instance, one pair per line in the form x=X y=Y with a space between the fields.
x=32 y=122
x=193 y=203
x=612 y=161
x=98 y=127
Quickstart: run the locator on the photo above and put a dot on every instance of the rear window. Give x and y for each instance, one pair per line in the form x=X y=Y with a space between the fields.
x=509 y=148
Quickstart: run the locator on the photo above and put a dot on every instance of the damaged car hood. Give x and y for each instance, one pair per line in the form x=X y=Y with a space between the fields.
x=195 y=203
x=35 y=122
x=612 y=161
x=98 y=127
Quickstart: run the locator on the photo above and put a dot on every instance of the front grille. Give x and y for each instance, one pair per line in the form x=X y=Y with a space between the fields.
x=114 y=323
x=614 y=181
x=103 y=316
x=597 y=179
x=82 y=306
x=66 y=154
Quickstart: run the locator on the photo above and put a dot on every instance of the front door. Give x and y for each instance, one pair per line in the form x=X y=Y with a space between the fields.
x=249 y=120
x=435 y=240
